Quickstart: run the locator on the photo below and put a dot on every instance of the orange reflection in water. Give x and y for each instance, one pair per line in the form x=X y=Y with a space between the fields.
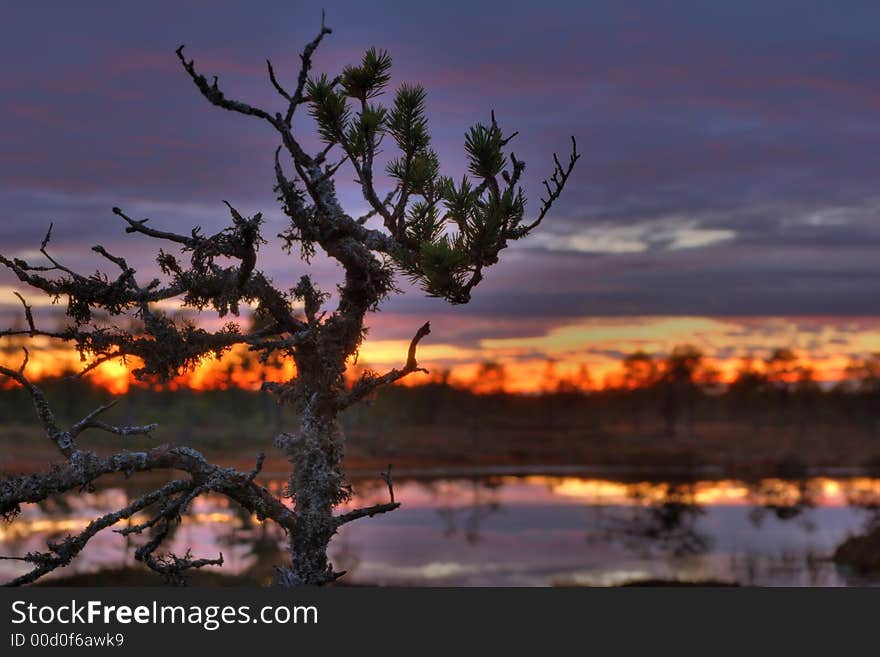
x=536 y=489
x=821 y=491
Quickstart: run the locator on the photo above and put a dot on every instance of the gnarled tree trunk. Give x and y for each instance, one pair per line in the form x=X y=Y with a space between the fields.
x=316 y=486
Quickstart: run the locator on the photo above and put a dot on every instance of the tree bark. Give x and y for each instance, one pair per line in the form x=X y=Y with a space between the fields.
x=316 y=486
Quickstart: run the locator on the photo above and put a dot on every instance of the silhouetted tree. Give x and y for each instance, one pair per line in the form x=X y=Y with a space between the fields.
x=550 y=377
x=806 y=392
x=865 y=372
x=680 y=385
x=438 y=233
x=863 y=377
x=640 y=374
x=780 y=370
x=491 y=378
x=582 y=380
x=746 y=389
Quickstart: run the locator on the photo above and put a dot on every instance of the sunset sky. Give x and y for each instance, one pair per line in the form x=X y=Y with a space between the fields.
x=727 y=195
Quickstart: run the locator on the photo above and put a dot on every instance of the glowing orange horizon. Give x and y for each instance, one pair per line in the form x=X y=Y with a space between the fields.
x=578 y=354
x=239 y=369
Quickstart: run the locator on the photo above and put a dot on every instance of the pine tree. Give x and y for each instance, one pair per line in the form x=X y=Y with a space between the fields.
x=437 y=232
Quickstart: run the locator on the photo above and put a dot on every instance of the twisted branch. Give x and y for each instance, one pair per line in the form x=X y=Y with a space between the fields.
x=82 y=468
x=370 y=382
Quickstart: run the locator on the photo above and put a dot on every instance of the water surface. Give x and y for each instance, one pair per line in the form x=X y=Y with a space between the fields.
x=535 y=530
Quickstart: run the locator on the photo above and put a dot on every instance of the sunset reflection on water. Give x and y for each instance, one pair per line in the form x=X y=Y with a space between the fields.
x=534 y=530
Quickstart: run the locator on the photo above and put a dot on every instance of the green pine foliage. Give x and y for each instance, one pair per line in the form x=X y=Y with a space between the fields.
x=447 y=232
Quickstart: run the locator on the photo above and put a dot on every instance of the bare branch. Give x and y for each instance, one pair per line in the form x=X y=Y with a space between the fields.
x=275 y=83
x=412 y=364
x=29 y=317
x=84 y=467
x=386 y=477
x=120 y=262
x=376 y=509
x=369 y=382
x=556 y=184
x=80 y=426
x=305 y=67
x=62 y=439
x=261 y=458
x=172 y=566
x=365 y=512
x=215 y=96
x=139 y=226
x=89 y=422
x=61 y=553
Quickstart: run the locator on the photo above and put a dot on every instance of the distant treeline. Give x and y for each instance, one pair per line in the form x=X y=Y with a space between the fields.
x=663 y=394
x=675 y=394
x=686 y=364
